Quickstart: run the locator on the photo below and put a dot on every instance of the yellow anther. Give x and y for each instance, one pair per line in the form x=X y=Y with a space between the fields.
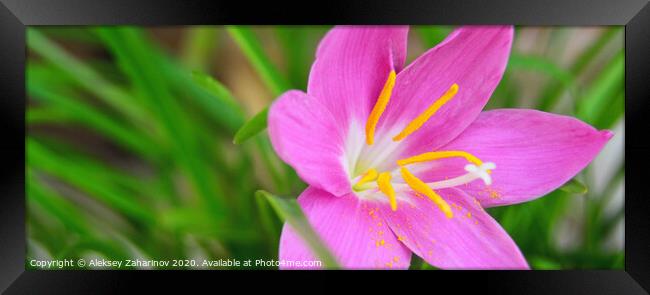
x=419 y=186
x=380 y=107
x=430 y=156
x=383 y=181
x=369 y=176
x=424 y=117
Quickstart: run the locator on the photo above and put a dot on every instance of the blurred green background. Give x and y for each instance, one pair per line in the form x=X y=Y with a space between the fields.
x=130 y=150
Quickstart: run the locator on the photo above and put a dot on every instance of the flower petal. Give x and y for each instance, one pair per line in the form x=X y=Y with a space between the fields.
x=471 y=239
x=352 y=229
x=534 y=152
x=352 y=65
x=474 y=58
x=306 y=136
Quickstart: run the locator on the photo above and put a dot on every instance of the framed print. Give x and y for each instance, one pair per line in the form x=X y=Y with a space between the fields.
x=502 y=144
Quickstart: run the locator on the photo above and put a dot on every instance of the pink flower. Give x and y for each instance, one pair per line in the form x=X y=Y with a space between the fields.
x=401 y=160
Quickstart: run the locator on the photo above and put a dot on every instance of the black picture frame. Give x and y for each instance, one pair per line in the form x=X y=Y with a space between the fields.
x=16 y=15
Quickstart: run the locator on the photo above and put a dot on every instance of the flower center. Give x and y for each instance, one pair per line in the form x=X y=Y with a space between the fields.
x=400 y=179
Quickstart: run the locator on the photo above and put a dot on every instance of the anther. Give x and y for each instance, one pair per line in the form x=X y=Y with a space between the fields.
x=424 y=117
x=380 y=107
x=419 y=186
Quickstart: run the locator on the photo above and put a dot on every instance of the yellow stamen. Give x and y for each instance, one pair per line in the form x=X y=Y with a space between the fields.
x=369 y=176
x=424 y=117
x=383 y=181
x=430 y=156
x=419 y=186
x=380 y=107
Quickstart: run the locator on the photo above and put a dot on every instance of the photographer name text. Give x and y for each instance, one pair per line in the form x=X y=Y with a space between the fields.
x=99 y=263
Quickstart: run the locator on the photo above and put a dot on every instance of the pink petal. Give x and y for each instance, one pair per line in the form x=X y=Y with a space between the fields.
x=472 y=57
x=471 y=239
x=534 y=153
x=306 y=136
x=352 y=64
x=353 y=230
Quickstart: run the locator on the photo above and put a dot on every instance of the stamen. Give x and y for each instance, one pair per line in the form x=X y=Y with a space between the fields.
x=385 y=187
x=430 y=156
x=380 y=107
x=424 y=117
x=419 y=186
x=369 y=176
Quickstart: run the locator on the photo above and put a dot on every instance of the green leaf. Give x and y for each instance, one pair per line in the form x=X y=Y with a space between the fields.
x=86 y=77
x=289 y=210
x=90 y=117
x=612 y=114
x=544 y=263
x=252 y=127
x=193 y=220
x=41 y=115
x=590 y=54
x=546 y=66
x=141 y=63
x=268 y=223
x=553 y=92
x=603 y=91
x=574 y=186
x=198 y=47
x=68 y=213
x=225 y=98
x=216 y=100
x=252 y=48
x=93 y=184
x=218 y=90
x=297 y=54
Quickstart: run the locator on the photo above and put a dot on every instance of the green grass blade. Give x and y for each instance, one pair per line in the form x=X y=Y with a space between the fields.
x=198 y=47
x=290 y=211
x=612 y=114
x=596 y=48
x=73 y=218
x=296 y=53
x=252 y=49
x=545 y=66
x=87 y=78
x=220 y=93
x=45 y=115
x=267 y=222
x=603 y=90
x=553 y=91
x=138 y=60
x=42 y=159
x=574 y=186
x=210 y=96
x=89 y=117
x=252 y=127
